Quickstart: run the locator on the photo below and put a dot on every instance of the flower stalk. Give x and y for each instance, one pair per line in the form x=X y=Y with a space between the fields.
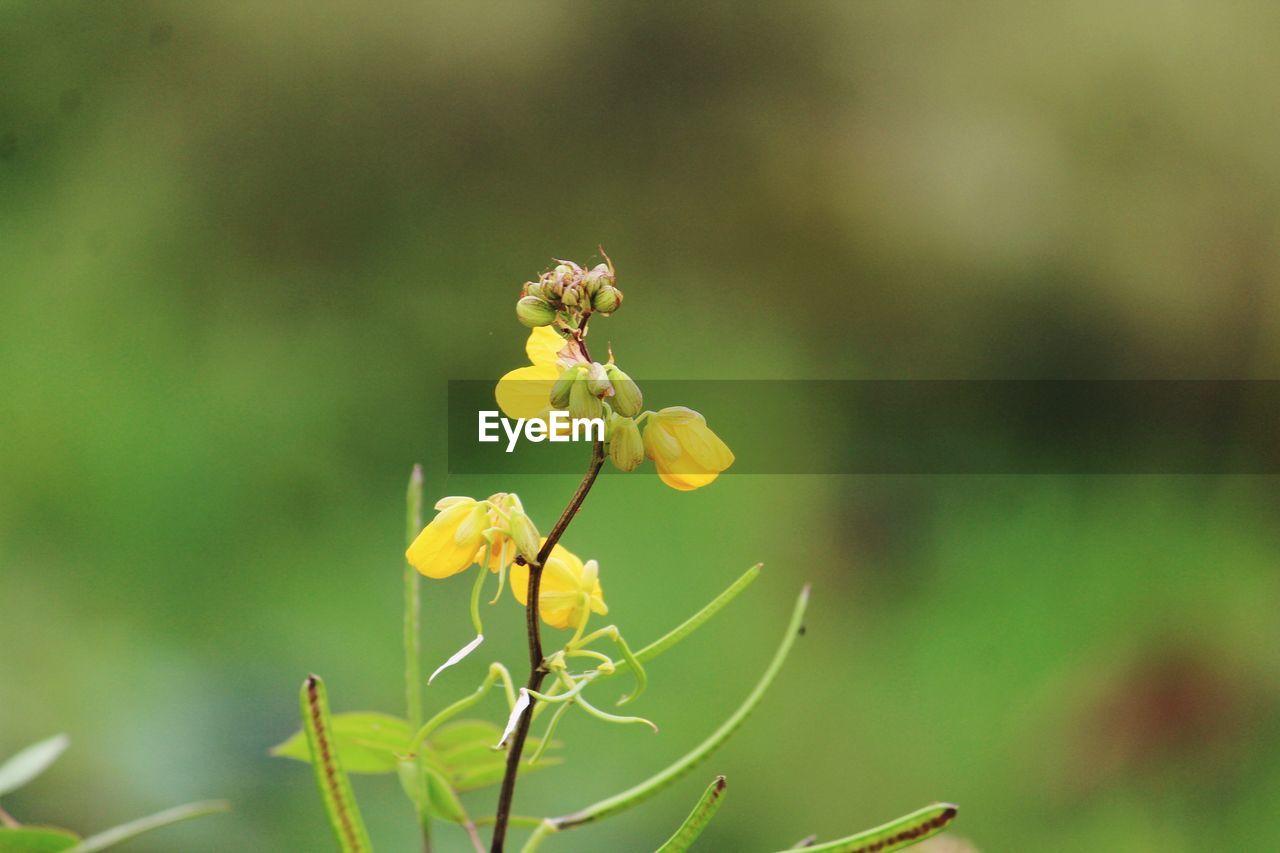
x=537 y=671
x=413 y=633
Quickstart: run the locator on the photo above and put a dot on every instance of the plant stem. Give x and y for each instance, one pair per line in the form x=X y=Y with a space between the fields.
x=412 y=631
x=412 y=606
x=536 y=671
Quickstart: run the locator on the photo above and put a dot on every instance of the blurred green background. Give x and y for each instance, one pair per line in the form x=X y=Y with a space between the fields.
x=245 y=246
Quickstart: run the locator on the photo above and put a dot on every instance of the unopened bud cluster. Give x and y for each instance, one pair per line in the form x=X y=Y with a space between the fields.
x=567 y=293
x=686 y=453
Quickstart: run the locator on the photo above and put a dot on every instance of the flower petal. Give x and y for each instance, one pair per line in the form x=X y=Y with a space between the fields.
x=526 y=391
x=436 y=552
x=543 y=346
x=703 y=446
x=683 y=477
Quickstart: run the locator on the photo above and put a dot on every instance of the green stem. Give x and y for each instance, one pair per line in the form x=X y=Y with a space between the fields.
x=134 y=828
x=628 y=658
x=546 y=735
x=697 y=821
x=412 y=604
x=497 y=672
x=412 y=633
x=582 y=703
x=539 y=835
x=481 y=576
x=646 y=789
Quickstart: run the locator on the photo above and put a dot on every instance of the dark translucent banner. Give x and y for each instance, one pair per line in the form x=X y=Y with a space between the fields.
x=932 y=427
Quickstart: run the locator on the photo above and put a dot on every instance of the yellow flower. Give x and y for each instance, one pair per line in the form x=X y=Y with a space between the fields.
x=453 y=539
x=526 y=391
x=687 y=454
x=568 y=587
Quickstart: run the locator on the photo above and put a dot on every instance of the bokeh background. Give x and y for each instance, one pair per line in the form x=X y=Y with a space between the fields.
x=246 y=245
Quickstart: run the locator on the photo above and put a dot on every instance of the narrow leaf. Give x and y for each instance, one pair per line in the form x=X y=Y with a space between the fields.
x=366 y=741
x=698 y=819
x=134 y=828
x=36 y=839
x=646 y=789
x=31 y=762
x=335 y=787
x=895 y=835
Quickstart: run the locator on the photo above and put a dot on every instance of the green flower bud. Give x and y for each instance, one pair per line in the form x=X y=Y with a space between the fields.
x=535 y=289
x=626 y=447
x=552 y=287
x=571 y=295
x=525 y=535
x=596 y=279
x=534 y=312
x=582 y=403
x=627 y=399
x=607 y=299
x=598 y=380
x=560 y=390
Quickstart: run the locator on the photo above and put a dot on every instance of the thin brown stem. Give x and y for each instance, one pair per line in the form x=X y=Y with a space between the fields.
x=536 y=671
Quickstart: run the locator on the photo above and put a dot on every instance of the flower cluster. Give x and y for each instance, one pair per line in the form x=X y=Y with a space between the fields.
x=570 y=588
x=561 y=375
x=491 y=533
x=468 y=532
x=566 y=292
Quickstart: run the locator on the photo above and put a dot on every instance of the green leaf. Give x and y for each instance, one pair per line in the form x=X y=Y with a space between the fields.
x=697 y=820
x=442 y=800
x=36 y=839
x=126 y=831
x=463 y=753
x=31 y=762
x=335 y=787
x=431 y=792
x=462 y=733
x=895 y=835
x=367 y=742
